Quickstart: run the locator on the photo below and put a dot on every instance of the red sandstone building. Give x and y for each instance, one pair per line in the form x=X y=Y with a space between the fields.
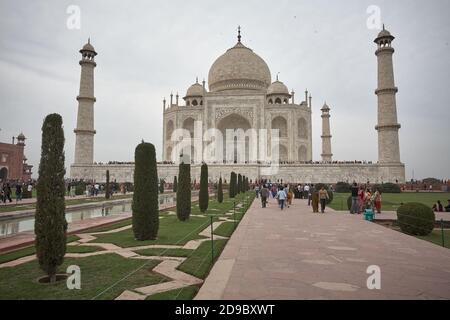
x=13 y=163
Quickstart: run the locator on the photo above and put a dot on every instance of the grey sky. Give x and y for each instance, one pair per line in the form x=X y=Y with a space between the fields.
x=149 y=48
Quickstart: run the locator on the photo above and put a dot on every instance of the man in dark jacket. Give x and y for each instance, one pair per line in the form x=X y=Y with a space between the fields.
x=264 y=195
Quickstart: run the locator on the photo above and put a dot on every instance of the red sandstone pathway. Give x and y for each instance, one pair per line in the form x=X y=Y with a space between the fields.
x=297 y=254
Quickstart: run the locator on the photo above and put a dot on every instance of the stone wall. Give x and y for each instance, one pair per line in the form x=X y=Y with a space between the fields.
x=304 y=173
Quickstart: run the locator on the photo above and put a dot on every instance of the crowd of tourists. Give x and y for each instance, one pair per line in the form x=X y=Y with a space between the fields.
x=284 y=194
x=364 y=198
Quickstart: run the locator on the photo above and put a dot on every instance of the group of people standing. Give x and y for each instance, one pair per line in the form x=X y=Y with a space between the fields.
x=6 y=190
x=363 y=198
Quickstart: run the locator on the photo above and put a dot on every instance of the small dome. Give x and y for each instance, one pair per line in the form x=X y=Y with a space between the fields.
x=278 y=87
x=88 y=47
x=21 y=136
x=196 y=90
x=383 y=35
x=325 y=107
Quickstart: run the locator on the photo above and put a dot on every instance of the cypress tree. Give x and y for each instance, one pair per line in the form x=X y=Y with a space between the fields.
x=107 y=186
x=161 y=186
x=175 y=183
x=145 y=205
x=220 y=191
x=239 y=184
x=50 y=226
x=203 y=195
x=232 y=187
x=184 y=192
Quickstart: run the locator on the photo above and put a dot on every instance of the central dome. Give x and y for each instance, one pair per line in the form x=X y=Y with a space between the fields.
x=239 y=69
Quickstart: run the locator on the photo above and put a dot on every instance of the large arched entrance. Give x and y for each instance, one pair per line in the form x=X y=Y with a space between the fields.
x=237 y=128
x=3 y=173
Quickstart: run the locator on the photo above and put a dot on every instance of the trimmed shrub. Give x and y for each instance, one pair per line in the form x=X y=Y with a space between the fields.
x=107 y=186
x=233 y=182
x=203 y=196
x=175 y=184
x=239 y=184
x=184 y=192
x=330 y=193
x=50 y=225
x=80 y=188
x=161 y=186
x=416 y=219
x=145 y=205
x=343 y=187
x=387 y=188
x=220 y=192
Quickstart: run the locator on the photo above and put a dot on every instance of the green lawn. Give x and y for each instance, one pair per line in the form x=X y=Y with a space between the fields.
x=199 y=262
x=164 y=252
x=98 y=274
x=225 y=229
x=391 y=201
x=106 y=276
x=436 y=237
x=28 y=251
x=187 y=293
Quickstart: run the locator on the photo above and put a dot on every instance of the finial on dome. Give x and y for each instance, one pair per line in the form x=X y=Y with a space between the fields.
x=196 y=79
x=239 y=33
x=277 y=75
x=383 y=27
x=89 y=40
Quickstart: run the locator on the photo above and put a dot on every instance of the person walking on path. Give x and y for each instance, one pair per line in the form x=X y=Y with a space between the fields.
x=355 y=202
x=361 y=199
x=290 y=196
x=7 y=192
x=307 y=193
x=264 y=196
x=257 y=191
x=19 y=191
x=281 y=196
x=323 y=197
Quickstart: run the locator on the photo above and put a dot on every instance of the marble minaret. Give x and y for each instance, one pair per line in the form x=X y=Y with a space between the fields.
x=84 y=132
x=326 y=134
x=387 y=127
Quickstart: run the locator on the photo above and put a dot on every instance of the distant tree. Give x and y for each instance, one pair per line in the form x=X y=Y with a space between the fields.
x=184 y=192
x=232 y=186
x=107 y=186
x=50 y=225
x=239 y=184
x=161 y=186
x=175 y=184
x=145 y=205
x=203 y=194
x=220 y=191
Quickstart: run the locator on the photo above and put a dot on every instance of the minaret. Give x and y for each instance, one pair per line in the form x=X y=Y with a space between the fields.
x=387 y=127
x=326 y=134
x=84 y=132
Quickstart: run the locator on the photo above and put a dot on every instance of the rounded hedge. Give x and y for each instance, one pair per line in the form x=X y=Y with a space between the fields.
x=416 y=219
x=343 y=187
x=387 y=188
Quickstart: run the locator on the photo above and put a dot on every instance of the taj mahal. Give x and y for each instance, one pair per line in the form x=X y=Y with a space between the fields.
x=242 y=98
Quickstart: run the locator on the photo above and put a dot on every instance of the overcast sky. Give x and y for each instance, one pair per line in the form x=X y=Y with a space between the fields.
x=146 y=49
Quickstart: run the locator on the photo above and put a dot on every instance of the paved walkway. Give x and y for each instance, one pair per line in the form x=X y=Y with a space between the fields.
x=296 y=254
